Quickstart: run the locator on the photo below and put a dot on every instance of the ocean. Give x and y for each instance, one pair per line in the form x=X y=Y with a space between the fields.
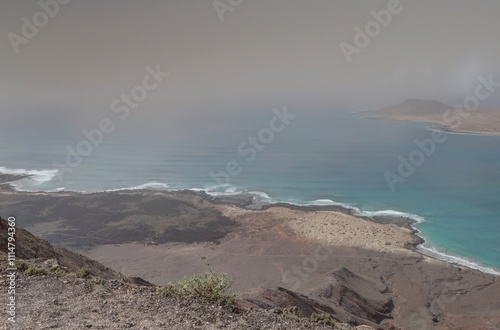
x=320 y=158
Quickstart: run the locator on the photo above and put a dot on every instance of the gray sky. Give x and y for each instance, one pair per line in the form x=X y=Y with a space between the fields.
x=263 y=54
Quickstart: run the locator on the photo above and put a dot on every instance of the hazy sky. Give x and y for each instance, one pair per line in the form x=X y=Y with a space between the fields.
x=263 y=54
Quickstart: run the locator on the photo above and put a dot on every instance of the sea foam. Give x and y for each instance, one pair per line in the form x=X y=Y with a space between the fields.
x=153 y=185
x=432 y=251
x=39 y=176
x=390 y=213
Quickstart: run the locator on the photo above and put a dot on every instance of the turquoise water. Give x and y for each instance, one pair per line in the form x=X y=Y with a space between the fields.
x=319 y=158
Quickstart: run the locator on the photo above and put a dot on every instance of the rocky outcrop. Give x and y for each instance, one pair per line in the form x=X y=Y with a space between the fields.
x=347 y=296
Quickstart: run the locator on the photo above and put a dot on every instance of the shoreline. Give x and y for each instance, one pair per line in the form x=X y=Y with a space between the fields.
x=441 y=127
x=400 y=221
x=447 y=129
x=248 y=201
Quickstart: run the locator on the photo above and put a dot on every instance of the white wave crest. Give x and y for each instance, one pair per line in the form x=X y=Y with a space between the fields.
x=218 y=190
x=324 y=202
x=457 y=260
x=262 y=195
x=391 y=213
x=39 y=176
x=441 y=130
x=229 y=190
x=146 y=186
x=329 y=202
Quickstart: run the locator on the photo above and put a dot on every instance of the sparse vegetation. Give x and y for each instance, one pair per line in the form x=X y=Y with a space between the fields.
x=207 y=287
x=322 y=319
x=35 y=271
x=84 y=273
x=292 y=310
x=22 y=266
x=57 y=270
x=30 y=269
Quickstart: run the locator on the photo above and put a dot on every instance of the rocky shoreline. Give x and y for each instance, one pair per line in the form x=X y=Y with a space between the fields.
x=320 y=259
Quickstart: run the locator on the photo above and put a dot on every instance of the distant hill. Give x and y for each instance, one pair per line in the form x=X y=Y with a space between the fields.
x=450 y=119
x=415 y=107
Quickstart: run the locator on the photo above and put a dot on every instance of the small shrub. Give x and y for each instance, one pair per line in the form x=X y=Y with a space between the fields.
x=57 y=270
x=322 y=319
x=22 y=266
x=35 y=271
x=292 y=310
x=101 y=281
x=84 y=273
x=208 y=287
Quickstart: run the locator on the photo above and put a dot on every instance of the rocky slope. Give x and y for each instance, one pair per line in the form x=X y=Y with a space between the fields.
x=52 y=292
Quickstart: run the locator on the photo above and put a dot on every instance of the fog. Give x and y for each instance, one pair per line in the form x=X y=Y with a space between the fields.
x=262 y=54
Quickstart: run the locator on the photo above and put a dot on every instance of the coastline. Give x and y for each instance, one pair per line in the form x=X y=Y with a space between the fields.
x=442 y=127
x=416 y=244
x=447 y=129
x=251 y=202
x=163 y=236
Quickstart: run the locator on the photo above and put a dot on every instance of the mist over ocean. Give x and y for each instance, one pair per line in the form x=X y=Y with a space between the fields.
x=318 y=158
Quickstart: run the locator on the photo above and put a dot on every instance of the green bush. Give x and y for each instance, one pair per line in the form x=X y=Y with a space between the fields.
x=84 y=273
x=292 y=310
x=322 y=319
x=22 y=266
x=35 y=271
x=57 y=270
x=208 y=287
